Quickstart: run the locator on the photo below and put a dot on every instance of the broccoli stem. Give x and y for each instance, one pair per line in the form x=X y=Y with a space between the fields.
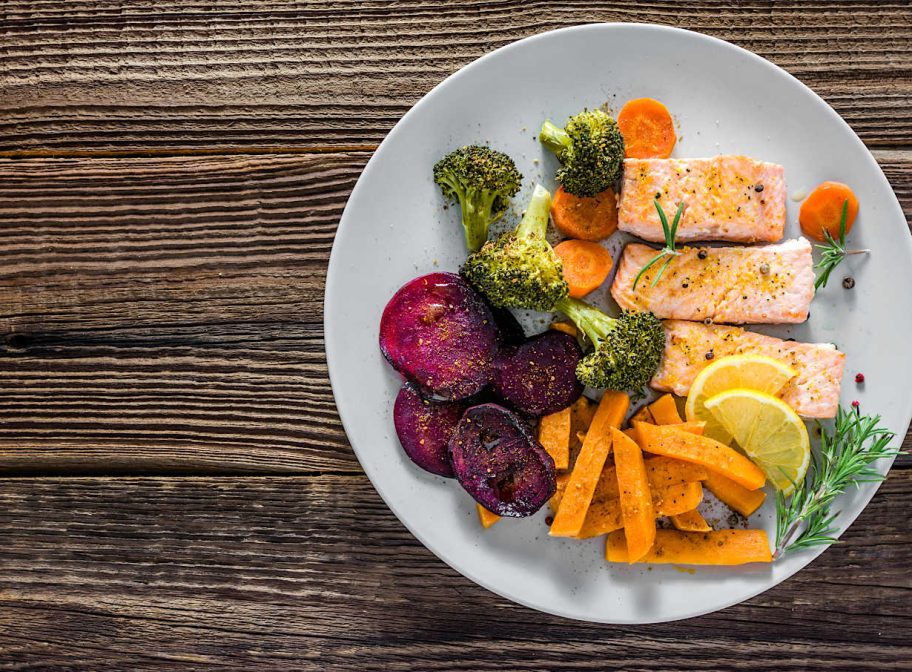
x=588 y=319
x=476 y=208
x=554 y=138
x=534 y=223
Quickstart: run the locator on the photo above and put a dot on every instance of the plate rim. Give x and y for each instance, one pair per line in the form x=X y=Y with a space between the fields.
x=330 y=294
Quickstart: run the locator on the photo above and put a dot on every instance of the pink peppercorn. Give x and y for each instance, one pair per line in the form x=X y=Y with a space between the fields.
x=859 y=377
x=548 y=521
x=855 y=404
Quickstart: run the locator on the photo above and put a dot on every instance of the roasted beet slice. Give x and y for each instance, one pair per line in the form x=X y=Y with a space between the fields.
x=438 y=332
x=425 y=427
x=509 y=328
x=539 y=377
x=499 y=462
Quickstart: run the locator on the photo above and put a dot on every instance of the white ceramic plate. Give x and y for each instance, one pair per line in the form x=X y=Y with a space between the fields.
x=725 y=100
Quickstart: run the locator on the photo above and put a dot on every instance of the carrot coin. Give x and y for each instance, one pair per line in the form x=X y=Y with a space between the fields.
x=648 y=129
x=585 y=217
x=822 y=210
x=586 y=265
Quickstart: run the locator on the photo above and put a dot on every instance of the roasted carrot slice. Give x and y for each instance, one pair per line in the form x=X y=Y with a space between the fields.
x=664 y=411
x=572 y=512
x=662 y=472
x=822 y=210
x=722 y=547
x=606 y=515
x=554 y=436
x=585 y=217
x=672 y=442
x=586 y=265
x=648 y=129
x=735 y=496
x=486 y=517
x=690 y=521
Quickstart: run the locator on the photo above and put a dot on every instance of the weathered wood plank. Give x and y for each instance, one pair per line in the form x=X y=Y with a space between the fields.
x=283 y=572
x=89 y=75
x=165 y=315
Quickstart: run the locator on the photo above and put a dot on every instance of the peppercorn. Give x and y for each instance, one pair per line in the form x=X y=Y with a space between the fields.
x=708 y=321
x=764 y=269
x=549 y=520
x=855 y=404
x=701 y=254
x=710 y=355
x=758 y=188
x=859 y=378
x=848 y=282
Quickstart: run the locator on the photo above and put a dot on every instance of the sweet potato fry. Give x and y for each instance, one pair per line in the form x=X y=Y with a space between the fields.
x=596 y=446
x=661 y=471
x=690 y=521
x=561 y=482
x=664 y=411
x=636 y=500
x=722 y=547
x=486 y=517
x=554 y=435
x=642 y=415
x=733 y=495
x=672 y=442
x=606 y=515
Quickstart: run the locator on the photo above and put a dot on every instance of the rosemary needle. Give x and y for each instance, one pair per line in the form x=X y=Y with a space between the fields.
x=805 y=519
x=669 y=250
x=834 y=251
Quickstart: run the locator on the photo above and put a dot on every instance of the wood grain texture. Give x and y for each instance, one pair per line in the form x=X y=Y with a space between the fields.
x=173 y=75
x=271 y=573
x=165 y=315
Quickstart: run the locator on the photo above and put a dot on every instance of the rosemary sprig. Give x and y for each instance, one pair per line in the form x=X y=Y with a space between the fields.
x=669 y=249
x=805 y=519
x=834 y=251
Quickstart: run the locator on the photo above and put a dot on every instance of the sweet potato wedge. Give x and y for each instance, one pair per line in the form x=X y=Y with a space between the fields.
x=572 y=512
x=486 y=517
x=690 y=521
x=606 y=515
x=661 y=472
x=670 y=441
x=554 y=435
x=733 y=495
x=637 y=511
x=722 y=547
x=664 y=411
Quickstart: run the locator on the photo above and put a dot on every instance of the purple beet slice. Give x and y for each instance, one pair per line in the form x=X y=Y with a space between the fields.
x=425 y=427
x=509 y=328
x=438 y=332
x=498 y=461
x=539 y=377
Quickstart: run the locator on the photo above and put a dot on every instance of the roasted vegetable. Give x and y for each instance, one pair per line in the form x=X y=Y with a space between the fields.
x=439 y=333
x=591 y=151
x=482 y=180
x=425 y=427
x=499 y=463
x=520 y=269
x=539 y=376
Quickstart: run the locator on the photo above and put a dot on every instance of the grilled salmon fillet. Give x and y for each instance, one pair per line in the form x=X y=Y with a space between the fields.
x=771 y=284
x=728 y=198
x=813 y=393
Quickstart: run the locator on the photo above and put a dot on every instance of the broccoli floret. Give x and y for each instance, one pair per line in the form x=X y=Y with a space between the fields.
x=520 y=269
x=627 y=351
x=483 y=181
x=591 y=151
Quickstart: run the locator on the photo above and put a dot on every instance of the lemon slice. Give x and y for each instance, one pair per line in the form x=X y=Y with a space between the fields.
x=755 y=372
x=768 y=430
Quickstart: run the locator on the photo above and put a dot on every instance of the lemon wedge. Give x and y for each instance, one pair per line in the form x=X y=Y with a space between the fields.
x=755 y=372
x=768 y=430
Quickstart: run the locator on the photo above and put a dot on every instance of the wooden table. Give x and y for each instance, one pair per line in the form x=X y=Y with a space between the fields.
x=177 y=490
